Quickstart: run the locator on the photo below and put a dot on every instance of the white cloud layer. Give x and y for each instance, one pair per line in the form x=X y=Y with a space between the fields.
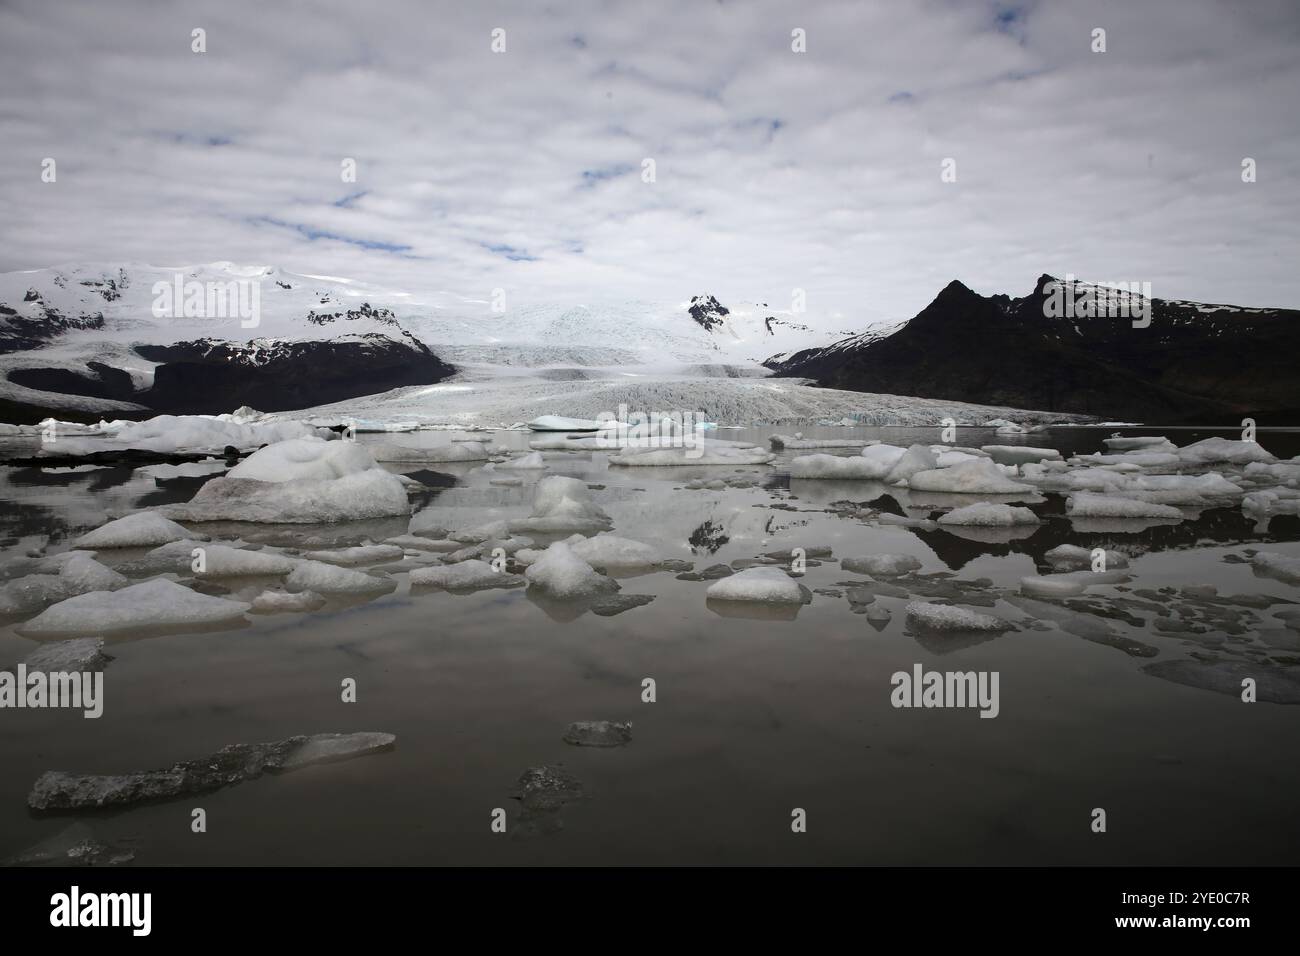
x=775 y=170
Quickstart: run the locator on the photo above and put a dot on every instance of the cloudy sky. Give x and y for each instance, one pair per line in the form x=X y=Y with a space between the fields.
x=774 y=169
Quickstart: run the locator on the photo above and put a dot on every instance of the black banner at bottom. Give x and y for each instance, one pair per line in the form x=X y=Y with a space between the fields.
x=337 y=905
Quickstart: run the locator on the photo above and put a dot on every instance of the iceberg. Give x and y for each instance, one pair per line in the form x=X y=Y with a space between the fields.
x=946 y=617
x=140 y=530
x=469 y=575
x=456 y=451
x=762 y=585
x=366 y=494
x=560 y=505
x=561 y=574
x=1088 y=505
x=156 y=603
x=332 y=579
x=987 y=515
x=981 y=477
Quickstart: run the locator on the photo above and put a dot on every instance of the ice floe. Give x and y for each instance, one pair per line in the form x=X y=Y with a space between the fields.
x=471 y=575
x=881 y=565
x=1089 y=505
x=946 y=617
x=56 y=790
x=763 y=585
x=561 y=574
x=987 y=515
x=981 y=477
x=332 y=579
x=142 y=529
x=456 y=451
x=155 y=603
x=562 y=504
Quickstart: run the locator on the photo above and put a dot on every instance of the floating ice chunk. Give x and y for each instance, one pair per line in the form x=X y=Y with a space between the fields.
x=1088 y=505
x=762 y=585
x=1281 y=471
x=1067 y=584
x=799 y=442
x=986 y=515
x=1277 y=566
x=562 y=504
x=1275 y=685
x=836 y=467
x=82 y=573
x=598 y=733
x=611 y=552
x=881 y=565
x=367 y=494
x=484 y=532
x=332 y=579
x=982 y=477
x=1077 y=479
x=1011 y=428
x=917 y=458
x=429 y=523
x=1181 y=489
x=561 y=574
x=469 y=575
x=179 y=433
x=1145 y=442
x=950 y=457
x=883 y=456
x=304 y=459
x=220 y=560
x=156 y=603
x=1074 y=557
x=139 y=530
x=56 y=790
x=524 y=463
x=506 y=482
x=280 y=602
x=1019 y=454
x=79 y=654
x=1224 y=450
x=1138 y=459
x=362 y=554
x=946 y=617
x=693 y=455
x=430 y=545
x=456 y=451
x=558 y=423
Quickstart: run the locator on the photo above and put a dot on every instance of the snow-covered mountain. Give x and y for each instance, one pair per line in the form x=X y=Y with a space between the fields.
x=119 y=339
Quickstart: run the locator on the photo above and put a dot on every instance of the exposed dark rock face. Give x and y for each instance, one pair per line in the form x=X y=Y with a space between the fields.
x=708 y=311
x=19 y=332
x=207 y=375
x=1193 y=362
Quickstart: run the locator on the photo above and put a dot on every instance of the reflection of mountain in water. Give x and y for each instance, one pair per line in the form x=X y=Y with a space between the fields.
x=708 y=538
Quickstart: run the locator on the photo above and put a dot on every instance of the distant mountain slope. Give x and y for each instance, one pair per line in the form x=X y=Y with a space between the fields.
x=124 y=339
x=1193 y=362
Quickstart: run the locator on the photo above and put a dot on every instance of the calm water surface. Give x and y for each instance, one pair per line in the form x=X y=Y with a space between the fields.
x=754 y=716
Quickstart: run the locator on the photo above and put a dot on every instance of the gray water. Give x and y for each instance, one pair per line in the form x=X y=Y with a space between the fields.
x=754 y=716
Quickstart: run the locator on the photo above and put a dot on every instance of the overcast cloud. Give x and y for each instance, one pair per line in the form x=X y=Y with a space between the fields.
x=775 y=169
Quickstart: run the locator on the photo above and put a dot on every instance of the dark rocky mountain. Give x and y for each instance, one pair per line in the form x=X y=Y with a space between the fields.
x=708 y=311
x=1191 y=362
